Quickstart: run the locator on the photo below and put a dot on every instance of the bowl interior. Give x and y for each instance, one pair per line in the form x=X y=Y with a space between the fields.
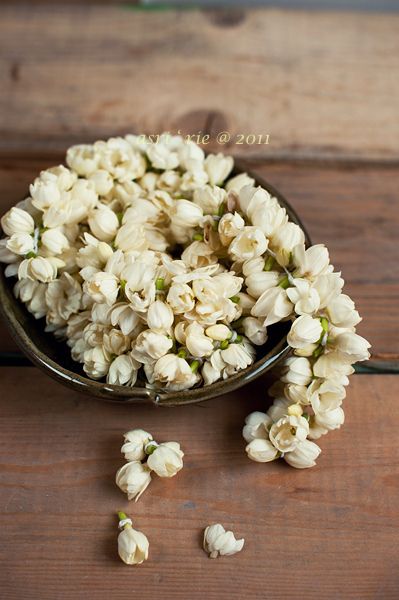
x=54 y=356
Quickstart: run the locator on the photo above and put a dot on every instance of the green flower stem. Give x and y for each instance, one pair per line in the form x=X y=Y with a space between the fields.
x=121 y=517
x=182 y=353
x=194 y=366
x=198 y=237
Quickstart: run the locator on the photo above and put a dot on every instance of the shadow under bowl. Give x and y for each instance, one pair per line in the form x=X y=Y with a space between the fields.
x=53 y=356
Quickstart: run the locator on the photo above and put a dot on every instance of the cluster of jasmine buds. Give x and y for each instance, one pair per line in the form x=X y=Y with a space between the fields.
x=155 y=264
x=145 y=456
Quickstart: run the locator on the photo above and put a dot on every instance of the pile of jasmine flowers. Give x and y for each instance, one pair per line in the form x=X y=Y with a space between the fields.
x=150 y=258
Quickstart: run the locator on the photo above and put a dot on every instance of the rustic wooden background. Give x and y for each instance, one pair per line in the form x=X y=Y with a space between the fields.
x=324 y=86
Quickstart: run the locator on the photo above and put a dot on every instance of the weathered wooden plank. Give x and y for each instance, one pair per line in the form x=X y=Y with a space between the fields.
x=352 y=209
x=320 y=83
x=325 y=533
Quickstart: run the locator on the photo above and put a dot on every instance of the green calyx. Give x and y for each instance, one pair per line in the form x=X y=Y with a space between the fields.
x=198 y=237
x=182 y=353
x=269 y=263
x=284 y=283
x=235 y=299
x=222 y=209
x=150 y=448
x=160 y=283
x=224 y=344
x=31 y=255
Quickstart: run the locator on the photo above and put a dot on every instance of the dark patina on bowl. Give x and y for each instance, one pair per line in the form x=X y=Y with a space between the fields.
x=54 y=357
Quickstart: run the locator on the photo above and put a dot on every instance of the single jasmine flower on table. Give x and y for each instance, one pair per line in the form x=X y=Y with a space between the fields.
x=133 y=545
x=219 y=542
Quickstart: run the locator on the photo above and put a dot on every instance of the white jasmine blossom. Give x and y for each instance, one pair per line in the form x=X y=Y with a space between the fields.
x=134 y=445
x=132 y=545
x=165 y=459
x=133 y=479
x=219 y=542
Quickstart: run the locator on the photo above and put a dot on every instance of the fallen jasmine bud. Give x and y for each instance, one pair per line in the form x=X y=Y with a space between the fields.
x=132 y=544
x=219 y=542
x=133 y=479
x=165 y=459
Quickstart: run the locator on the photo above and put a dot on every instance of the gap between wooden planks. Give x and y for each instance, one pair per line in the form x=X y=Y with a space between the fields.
x=353 y=209
x=328 y=532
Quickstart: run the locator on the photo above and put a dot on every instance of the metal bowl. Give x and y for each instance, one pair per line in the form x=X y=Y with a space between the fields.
x=54 y=358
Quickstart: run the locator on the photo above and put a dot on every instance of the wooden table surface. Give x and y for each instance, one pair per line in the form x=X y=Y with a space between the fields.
x=323 y=85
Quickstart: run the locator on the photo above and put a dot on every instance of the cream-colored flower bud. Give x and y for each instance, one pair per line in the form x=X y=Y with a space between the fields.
x=305 y=330
x=165 y=459
x=133 y=479
x=297 y=370
x=186 y=214
x=174 y=372
x=162 y=156
x=218 y=332
x=37 y=269
x=255 y=330
x=209 y=198
x=132 y=544
x=135 y=441
x=258 y=282
x=261 y=450
x=256 y=426
x=198 y=344
x=249 y=243
x=341 y=312
x=150 y=346
x=83 y=158
x=17 y=220
x=219 y=542
x=218 y=167
x=304 y=455
x=103 y=287
x=54 y=241
x=236 y=183
x=295 y=410
x=160 y=317
x=312 y=262
x=180 y=298
x=96 y=362
x=123 y=371
x=274 y=305
x=284 y=241
x=354 y=347
x=115 y=342
x=288 y=433
x=229 y=227
x=103 y=182
x=20 y=243
x=104 y=223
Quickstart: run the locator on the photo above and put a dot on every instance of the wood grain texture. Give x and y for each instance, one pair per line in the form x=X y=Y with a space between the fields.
x=353 y=209
x=320 y=83
x=322 y=534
